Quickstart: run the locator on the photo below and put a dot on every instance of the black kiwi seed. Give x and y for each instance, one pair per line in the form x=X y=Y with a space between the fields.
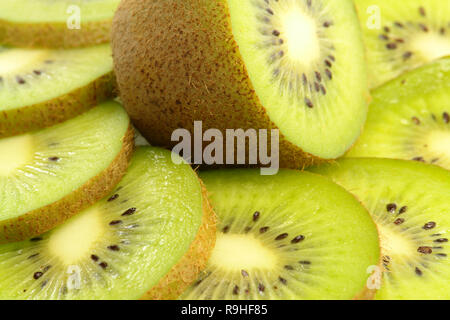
x=226 y=229
x=329 y=74
x=20 y=80
x=423 y=27
x=247 y=229
x=282 y=236
x=318 y=76
x=399 y=221
x=261 y=287
x=415 y=120
x=263 y=229
x=407 y=55
x=33 y=256
x=236 y=290
x=37 y=275
x=256 y=216
x=36 y=239
x=446 y=117
x=276 y=33
x=309 y=103
x=418 y=271
x=54 y=159
x=403 y=209
x=37 y=72
x=327 y=24
x=386 y=29
x=297 y=239
x=104 y=265
x=429 y=225
x=114 y=248
x=94 y=258
x=288 y=267
x=422 y=11
x=115 y=222
x=425 y=250
x=113 y=197
x=244 y=273
x=282 y=280
x=391 y=207
x=442 y=240
x=420 y=159
x=391 y=46
x=305 y=262
x=129 y=212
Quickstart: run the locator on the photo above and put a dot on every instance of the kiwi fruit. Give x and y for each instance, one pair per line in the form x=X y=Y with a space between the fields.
x=403 y=35
x=409 y=201
x=56 y=24
x=245 y=64
x=410 y=118
x=48 y=176
x=39 y=88
x=154 y=229
x=294 y=235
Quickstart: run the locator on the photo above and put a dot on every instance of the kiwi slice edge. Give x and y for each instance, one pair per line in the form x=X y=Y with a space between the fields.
x=409 y=202
x=409 y=118
x=32 y=219
x=133 y=244
x=267 y=248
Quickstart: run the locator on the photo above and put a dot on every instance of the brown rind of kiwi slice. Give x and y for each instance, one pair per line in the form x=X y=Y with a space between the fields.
x=51 y=35
x=44 y=219
x=192 y=68
x=186 y=271
x=45 y=114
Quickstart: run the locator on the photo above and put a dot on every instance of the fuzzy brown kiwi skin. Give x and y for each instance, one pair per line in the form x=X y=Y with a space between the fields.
x=41 y=220
x=45 y=114
x=186 y=271
x=184 y=65
x=53 y=35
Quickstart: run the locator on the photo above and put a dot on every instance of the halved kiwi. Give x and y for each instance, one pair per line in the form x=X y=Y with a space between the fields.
x=250 y=64
x=403 y=35
x=56 y=24
x=39 y=88
x=48 y=176
x=410 y=204
x=290 y=236
x=410 y=118
x=148 y=238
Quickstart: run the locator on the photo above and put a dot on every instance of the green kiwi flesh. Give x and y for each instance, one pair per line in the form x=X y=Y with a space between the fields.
x=291 y=236
x=40 y=87
x=409 y=201
x=403 y=35
x=409 y=118
x=50 y=23
x=118 y=248
x=42 y=172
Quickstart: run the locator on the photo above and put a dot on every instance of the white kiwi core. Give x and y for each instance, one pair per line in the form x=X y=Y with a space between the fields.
x=15 y=152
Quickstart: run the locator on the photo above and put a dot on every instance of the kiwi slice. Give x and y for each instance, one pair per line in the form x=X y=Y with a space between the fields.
x=410 y=118
x=290 y=236
x=56 y=24
x=409 y=202
x=250 y=64
x=39 y=88
x=154 y=232
x=49 y=175
x=403 y=35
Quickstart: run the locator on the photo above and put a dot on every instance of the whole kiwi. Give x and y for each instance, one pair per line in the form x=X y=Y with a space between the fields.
x=178 y=62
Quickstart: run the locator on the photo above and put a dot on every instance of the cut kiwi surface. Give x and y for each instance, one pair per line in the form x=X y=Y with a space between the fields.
x=409 y=118
x=409 y=202
x=56 y=24
x=290 y=236
x=403 y=35
x=49 y=175
x=245 y=64
x=123 y=245
x=39 y=88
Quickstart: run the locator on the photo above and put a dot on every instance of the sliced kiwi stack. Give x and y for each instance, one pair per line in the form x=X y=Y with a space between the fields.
x=48 y=176
x=409 y=201
x=126 y=246
x=260 y=64
x=56 y=24
x=403 y=35
x=39 y=88
x=291 y=236
x=409 y=118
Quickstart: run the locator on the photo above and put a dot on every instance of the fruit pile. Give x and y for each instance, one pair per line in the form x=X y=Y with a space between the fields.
x=94 y=205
